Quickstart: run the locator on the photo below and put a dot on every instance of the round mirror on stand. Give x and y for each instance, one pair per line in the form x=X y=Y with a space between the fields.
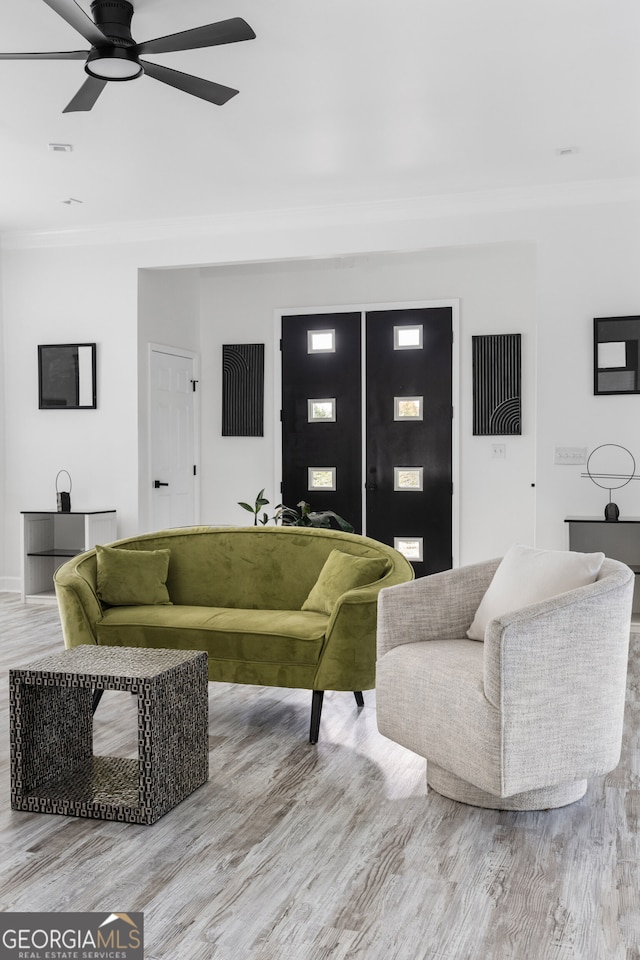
x=611 y=466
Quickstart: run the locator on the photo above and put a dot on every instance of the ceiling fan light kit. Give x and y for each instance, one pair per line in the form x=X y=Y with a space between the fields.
x=115 y=56
x=113 y=63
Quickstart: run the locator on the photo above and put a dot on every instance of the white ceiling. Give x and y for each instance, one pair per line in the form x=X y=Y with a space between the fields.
x=340 y=101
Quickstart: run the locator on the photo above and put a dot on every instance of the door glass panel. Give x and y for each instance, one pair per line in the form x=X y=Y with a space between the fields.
x=407 y=478
x=321 y=341
x=322 y=478
x=407 y=408
x=409 y=547
x=321 y=411
x=408 y=338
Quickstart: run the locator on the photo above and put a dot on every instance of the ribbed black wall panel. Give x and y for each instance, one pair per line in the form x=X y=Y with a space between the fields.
x=243 y=390
x=497 y=385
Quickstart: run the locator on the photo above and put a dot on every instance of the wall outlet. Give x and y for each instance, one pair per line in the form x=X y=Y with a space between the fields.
x=498 y=451
x=570 y=456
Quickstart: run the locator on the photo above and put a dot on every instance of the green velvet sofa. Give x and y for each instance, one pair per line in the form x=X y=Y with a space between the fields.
x=238 y=593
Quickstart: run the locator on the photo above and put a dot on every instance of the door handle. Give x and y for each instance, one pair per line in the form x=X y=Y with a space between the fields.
x=158 y=483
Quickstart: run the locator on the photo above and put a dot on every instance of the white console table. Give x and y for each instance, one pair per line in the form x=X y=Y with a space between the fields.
x=618 y=539
x=49 y=538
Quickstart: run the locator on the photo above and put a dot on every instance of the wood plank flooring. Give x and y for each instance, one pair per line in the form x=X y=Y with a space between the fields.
x=294 y=852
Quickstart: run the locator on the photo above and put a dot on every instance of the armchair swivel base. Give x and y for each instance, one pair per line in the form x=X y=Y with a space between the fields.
x=547 y=798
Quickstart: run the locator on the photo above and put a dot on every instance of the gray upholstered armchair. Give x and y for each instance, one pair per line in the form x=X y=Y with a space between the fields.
x=520 y=721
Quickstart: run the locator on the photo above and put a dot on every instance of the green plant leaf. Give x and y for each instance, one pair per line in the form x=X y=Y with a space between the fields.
x=245 y=506
x=289 y=516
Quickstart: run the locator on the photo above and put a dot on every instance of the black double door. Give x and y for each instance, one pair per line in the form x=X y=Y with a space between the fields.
x=367 y=424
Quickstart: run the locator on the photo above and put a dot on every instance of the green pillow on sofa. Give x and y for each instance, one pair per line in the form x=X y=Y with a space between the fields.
x=132 y=577
x=342 y=572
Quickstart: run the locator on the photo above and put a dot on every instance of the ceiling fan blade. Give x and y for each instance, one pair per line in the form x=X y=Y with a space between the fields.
x=86 y=95
x=205 y=89
x=211 y=35
x=60 y=55
x=78 y=19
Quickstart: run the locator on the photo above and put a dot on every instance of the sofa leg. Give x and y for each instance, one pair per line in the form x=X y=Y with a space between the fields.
x=316 y=711
x=359 y=698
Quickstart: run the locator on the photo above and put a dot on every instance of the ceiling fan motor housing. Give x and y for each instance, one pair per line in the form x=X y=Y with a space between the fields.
x=117 y=59
x=114 y=19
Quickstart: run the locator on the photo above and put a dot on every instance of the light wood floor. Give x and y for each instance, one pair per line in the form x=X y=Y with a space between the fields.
x=294 y=852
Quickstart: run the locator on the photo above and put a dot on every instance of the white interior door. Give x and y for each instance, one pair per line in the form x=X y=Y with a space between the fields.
x=172 y=437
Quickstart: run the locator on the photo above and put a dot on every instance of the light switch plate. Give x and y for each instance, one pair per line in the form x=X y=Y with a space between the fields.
x=570 y=456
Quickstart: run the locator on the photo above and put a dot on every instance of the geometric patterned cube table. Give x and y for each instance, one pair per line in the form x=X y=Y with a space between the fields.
x=53 y=769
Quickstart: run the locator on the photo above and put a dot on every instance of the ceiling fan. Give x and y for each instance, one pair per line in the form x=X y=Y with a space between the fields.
x=114 y=54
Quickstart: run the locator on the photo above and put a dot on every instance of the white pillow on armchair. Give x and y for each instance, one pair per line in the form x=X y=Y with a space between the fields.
x=527 y=575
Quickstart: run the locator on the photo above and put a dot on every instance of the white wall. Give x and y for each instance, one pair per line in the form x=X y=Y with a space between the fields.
x=64 y=296
x=587 y=267
x=3 y=445
x=495 y=284
x=587 y=247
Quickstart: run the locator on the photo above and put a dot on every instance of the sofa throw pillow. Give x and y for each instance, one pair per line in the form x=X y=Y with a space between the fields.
x=342 y=572
x=527 y=575
x=132 y=577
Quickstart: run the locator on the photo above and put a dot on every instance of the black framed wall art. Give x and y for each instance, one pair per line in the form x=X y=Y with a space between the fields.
x=243 y=390
x=497 y=385
x=67 y=376
x=616 y=343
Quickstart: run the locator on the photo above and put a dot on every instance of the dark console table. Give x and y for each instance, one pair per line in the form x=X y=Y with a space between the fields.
x=619 y=539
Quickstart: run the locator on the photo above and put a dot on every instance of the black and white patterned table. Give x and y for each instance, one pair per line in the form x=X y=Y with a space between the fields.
x=53 y=769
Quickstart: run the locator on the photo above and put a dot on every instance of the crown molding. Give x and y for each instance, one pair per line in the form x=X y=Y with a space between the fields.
x=504 y=200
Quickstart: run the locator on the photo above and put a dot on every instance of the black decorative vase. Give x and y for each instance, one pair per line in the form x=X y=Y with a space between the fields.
x=611 y=512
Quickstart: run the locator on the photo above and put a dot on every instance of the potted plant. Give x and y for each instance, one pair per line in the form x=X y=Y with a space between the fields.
x=303 y=516
x=261 y=502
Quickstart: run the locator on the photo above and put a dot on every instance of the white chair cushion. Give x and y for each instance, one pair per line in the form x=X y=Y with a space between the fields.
x=527 y=575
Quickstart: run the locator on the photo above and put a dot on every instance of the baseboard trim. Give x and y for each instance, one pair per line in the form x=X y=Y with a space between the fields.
x=10 y=585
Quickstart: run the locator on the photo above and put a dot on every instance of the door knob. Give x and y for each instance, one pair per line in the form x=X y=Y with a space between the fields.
x=158 y=483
